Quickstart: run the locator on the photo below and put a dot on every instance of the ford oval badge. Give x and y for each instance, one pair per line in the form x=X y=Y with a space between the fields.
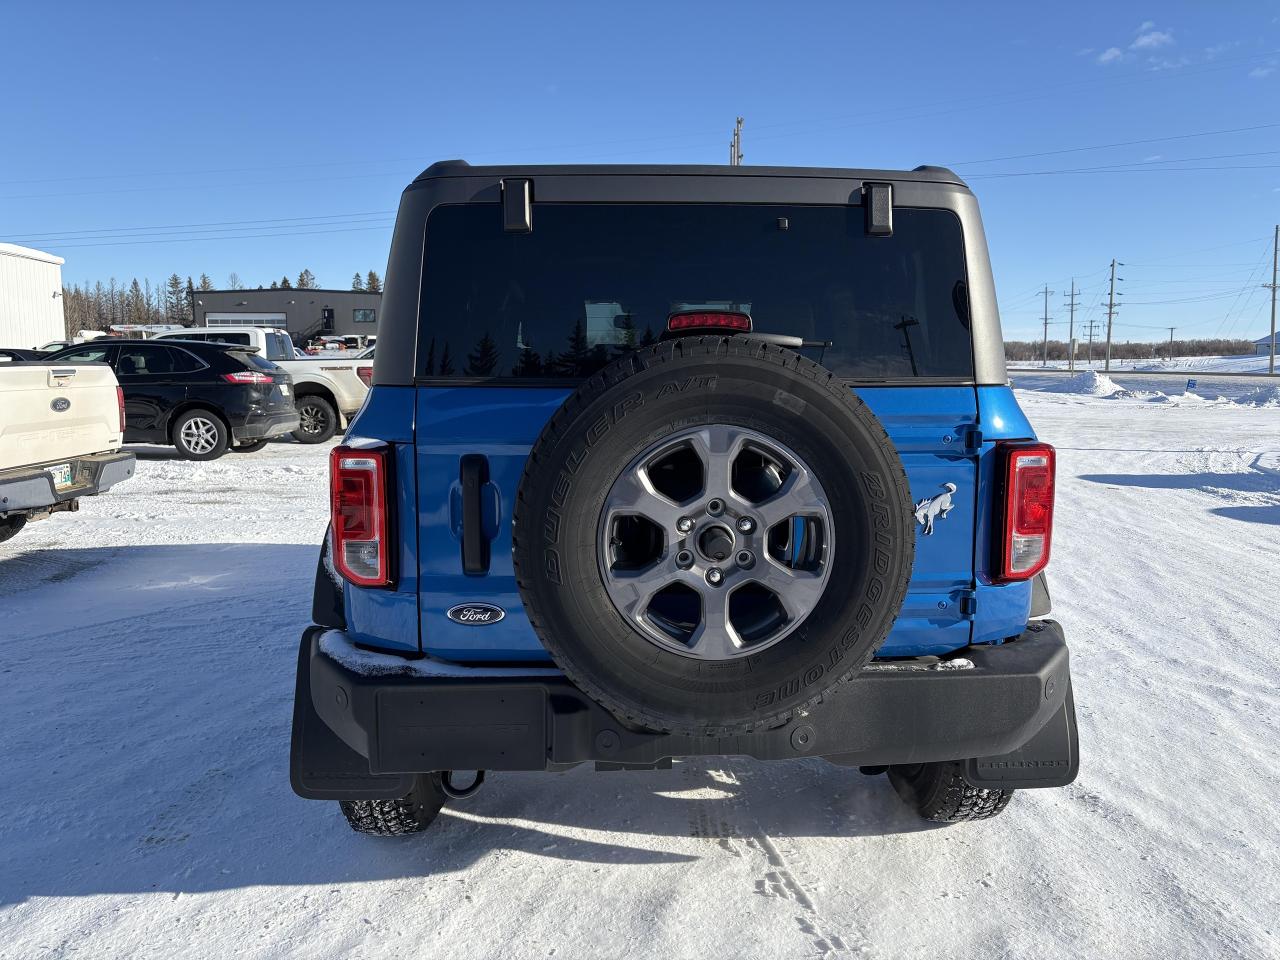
x=60 y=405
x=475 y=614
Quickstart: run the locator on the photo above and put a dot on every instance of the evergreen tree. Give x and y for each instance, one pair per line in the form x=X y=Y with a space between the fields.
x=576 y=361
x=274 y=285
x=482 y=361
x=188 y=308
x=205 y=282
x=175 y=300
x=446 y=362
x=648 y=338
x=373 y=282
x=307 y=280
x=430 y=369
x=529 y=365
x=285 y=283
x=628 y=329
x=357 y=281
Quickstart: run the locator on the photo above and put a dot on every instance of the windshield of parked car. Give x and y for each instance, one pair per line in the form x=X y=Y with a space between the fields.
x=594 y=280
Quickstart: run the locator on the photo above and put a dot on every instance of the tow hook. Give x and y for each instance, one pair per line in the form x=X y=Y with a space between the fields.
x=459 y=793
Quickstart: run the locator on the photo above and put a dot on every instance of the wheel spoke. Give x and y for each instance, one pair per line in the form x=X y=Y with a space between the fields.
x=717 y=447
x=633 y=496
x=797 y=590
x=635 y=588
x=714 y=638
x=796 y=496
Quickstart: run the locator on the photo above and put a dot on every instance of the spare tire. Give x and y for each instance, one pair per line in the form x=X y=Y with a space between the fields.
x=710 y=534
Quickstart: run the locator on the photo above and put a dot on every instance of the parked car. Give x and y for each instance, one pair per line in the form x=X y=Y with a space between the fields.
x=324 y=388
x=746 y=478
x=16 y=355
x=60 y=436
x=203 y=398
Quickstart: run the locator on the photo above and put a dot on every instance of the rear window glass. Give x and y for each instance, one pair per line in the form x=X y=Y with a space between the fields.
x=279 y=347
x=253 y=360
x=594 y=280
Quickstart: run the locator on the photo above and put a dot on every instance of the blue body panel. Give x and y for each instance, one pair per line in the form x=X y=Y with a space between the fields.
x=1002 y=608
x=432 y=428
x=382 y=617
x=928 y=425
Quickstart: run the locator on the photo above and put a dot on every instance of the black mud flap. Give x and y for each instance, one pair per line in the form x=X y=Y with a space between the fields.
x=1049 y=759
x=321 y=766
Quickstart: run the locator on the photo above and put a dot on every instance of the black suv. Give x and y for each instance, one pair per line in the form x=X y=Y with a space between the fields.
x=200 y=397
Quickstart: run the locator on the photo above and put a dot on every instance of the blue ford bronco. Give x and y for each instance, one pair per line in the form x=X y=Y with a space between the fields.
x=677 y=461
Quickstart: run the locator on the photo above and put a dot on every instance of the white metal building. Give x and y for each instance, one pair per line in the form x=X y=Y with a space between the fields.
x=1263 y=345
x=30 y=297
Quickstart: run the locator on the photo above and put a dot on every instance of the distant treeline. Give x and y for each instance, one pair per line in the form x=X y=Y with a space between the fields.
x=1024 y=350
x=98 y=306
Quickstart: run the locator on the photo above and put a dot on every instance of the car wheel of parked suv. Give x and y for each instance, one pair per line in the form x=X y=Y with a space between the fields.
x=319 y=420
x=253 y=446
x=395 y=818
x=200 y=435
x=938 y=792
x=711 y=534
x=10 y=526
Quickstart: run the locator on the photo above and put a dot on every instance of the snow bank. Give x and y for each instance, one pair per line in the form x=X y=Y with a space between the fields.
x=1268 y=396
x=1088 y=384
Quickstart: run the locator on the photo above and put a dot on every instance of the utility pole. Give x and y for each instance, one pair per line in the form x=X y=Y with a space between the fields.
x=1071 y=327
x=735 y=145
x=1111 y=311
x=1171 y=329
x=1275 y=261
x=1093 y=326
x=1044 y=360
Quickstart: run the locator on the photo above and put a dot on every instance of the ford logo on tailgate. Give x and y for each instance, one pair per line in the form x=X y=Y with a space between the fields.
x=60 y=405
x=475 y=614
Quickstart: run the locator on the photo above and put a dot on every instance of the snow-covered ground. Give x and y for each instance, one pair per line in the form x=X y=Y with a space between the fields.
x=148 y=643
x=1249 y=363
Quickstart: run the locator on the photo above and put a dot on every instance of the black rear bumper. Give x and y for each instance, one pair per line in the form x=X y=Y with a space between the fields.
x=363 y=735
x=275 y=423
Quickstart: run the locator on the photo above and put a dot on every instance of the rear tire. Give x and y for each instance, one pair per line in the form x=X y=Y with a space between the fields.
x=938 y=792
x=10 y=526
x=319 y=420
x=200 y=435
x=253 y=446
x=397 y=818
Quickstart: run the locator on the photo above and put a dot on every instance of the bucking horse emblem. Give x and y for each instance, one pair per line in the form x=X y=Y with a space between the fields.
x=934 y=508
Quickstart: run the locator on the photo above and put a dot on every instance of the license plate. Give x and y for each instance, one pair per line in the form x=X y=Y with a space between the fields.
x=284 y=389
x=62 y=475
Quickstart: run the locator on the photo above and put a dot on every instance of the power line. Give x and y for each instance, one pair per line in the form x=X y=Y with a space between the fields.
x=1120 y=143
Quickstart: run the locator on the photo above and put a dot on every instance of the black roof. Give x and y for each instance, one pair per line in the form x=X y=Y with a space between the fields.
x=377 y=293
x=460 y=168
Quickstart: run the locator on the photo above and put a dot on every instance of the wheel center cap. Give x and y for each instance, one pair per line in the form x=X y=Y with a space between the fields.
x=716 y=543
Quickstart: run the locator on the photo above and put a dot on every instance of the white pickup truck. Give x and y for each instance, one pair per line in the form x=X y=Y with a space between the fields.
x=324 y=387
x=61 y=427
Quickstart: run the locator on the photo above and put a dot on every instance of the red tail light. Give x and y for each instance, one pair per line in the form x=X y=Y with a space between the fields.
x=709 y=320
x=248 y=376
x=358 y=513
x=120 y=404
x=1028 y=509
x=366 y=375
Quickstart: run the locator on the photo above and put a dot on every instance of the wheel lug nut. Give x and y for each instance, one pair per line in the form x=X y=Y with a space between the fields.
x=746 y=524
x=745 y=558
x=684 y=559
x=715 y=576
x=715 y=507
x=684 y=524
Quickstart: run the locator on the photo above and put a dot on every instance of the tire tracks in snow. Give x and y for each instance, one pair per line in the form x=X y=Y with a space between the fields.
x=782 y=870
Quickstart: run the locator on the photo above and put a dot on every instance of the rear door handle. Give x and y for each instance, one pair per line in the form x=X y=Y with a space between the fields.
x=473 y=473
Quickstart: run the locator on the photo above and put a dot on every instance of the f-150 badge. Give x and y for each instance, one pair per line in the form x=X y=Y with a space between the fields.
x=934 y=508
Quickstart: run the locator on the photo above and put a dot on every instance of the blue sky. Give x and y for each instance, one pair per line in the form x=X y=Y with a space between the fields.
x=142 y=139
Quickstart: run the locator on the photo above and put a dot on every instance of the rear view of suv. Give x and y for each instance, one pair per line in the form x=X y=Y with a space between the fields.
x=664 y=462
x=203 y=398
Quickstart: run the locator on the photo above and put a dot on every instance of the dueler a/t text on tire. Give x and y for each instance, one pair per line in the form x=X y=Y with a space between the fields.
x=716 y=386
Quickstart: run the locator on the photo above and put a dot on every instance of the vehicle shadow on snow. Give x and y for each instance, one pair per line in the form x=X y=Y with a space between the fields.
x=1214 y=484
x=154 y=693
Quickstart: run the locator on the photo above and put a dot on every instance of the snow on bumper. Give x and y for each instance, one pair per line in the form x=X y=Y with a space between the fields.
x=364 y=723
